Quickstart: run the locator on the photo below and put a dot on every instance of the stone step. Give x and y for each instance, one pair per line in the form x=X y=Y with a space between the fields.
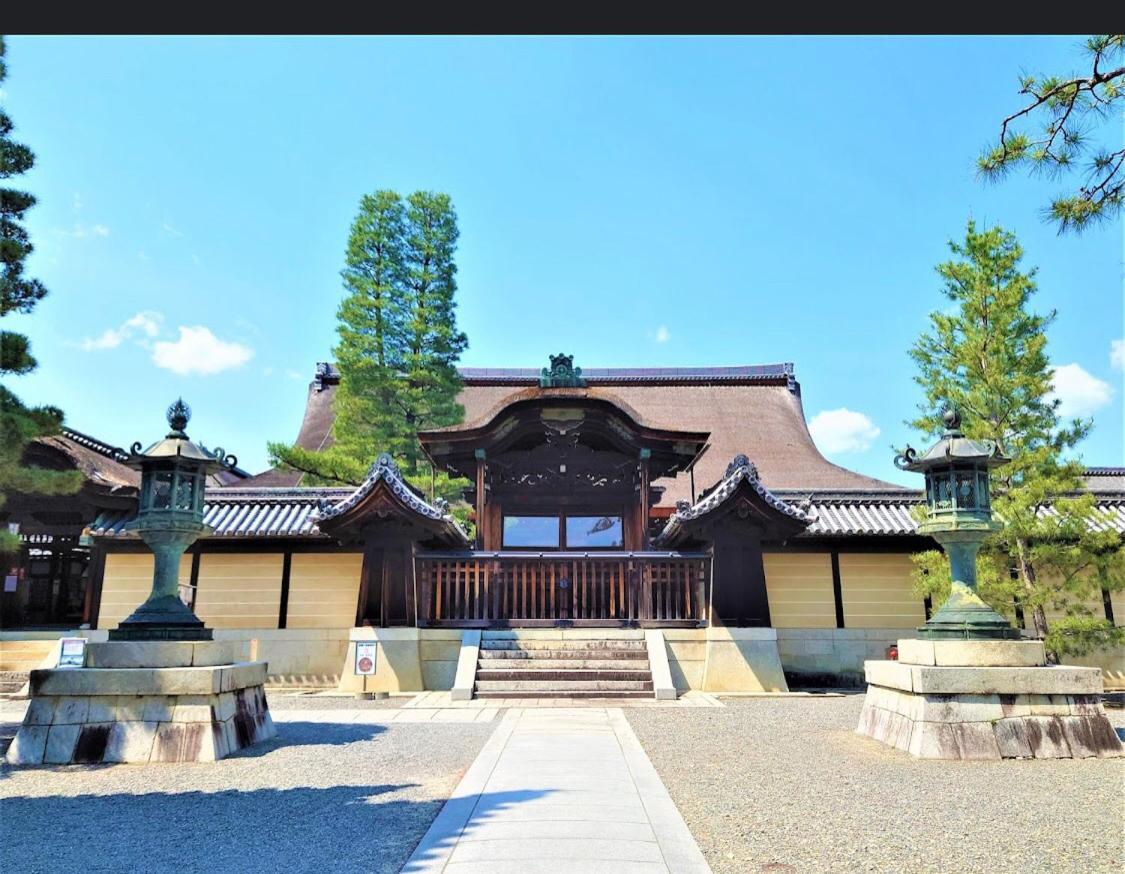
x=529 y=645
x=546 y=655
x=563 y=687
x=563 y=634
x=567 y=675
x=566 y=695
x=507 y=665
x=12 y=681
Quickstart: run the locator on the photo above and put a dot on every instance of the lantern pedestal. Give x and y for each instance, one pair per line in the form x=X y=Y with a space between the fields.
x=141 y=702
x=985 y=699
x=964 y=616
x=164 y=616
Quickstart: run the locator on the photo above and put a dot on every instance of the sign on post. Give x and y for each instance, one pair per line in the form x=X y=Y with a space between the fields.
x=365 y=651
x=72 y=653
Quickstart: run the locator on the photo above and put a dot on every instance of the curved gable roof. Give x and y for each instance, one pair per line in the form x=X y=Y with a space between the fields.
x=751 y=410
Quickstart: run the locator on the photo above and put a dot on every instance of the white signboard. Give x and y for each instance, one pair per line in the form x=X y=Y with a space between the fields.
x=365 y=651
x=73 y=652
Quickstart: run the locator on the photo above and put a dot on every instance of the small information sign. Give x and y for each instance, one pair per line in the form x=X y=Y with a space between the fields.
x=72 y=653
x=365 y=651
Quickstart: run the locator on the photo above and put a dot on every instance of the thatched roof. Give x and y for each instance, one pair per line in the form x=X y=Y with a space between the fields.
x=753 y=410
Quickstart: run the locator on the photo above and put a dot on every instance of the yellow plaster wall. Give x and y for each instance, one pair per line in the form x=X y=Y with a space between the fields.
x=239 y=589
x=876 y=591
x=799 y=588
x=324 y=590
x=128 y=582
x=1095 y=607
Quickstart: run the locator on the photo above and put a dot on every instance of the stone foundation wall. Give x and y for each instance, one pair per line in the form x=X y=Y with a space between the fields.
x=95 y=729
x=294 y=654
x=988 y=726
x=833 y=655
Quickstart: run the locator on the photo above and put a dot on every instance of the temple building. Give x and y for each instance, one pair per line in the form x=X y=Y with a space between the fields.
x=685 y=507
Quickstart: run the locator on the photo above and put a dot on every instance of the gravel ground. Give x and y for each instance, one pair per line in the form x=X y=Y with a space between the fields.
x=785 y=785
x=320 y=797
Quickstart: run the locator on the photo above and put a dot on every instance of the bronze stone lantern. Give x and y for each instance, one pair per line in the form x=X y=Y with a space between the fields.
x=170 y=518
x=959 y=517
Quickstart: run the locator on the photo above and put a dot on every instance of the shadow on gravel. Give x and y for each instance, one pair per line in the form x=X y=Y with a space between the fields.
x=301 y=734
x=345 y=828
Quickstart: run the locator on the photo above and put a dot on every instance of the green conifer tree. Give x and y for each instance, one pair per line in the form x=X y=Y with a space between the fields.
x=1068 y=109
x=988 y=356
x=19 y=424
x=398 y=344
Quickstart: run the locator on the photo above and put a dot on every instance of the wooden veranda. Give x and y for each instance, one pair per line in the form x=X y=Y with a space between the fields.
x=477 y=589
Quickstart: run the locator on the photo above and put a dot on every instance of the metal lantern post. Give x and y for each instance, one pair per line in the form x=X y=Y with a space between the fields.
x=959 y=517
x=170 y=519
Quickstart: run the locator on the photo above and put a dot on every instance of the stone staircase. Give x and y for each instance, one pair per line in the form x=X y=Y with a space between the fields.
x=563 y=663
x=12 y=681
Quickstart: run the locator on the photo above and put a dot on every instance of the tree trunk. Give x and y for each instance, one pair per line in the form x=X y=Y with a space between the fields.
x=1027 y=576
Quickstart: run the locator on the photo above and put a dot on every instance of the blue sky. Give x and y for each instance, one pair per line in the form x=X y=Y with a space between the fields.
x=636 y=202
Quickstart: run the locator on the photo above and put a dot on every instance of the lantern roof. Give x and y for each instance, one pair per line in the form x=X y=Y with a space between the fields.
x=176 y=445
x=953 y=448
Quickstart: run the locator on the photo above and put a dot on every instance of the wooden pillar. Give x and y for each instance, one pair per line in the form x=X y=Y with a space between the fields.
x=95 y=574
x=283 y=604
x=642 y=540
x=481 y=498
x=838 y=590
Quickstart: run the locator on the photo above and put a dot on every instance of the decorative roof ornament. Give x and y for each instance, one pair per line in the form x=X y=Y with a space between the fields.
x=562 y=373
x=741 y=461
x=179 y=414
x=386 y=463
x=741 y=468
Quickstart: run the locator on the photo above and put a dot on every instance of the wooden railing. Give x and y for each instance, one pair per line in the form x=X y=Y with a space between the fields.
x=482 y=589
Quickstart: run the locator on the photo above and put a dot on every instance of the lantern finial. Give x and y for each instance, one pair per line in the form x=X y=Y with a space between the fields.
x=178 y=415
x=951 y=416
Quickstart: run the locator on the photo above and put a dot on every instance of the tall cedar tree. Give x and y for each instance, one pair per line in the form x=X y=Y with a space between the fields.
x=19 y=424
x=1067 y=109
x=988 y=356
x=398 y=344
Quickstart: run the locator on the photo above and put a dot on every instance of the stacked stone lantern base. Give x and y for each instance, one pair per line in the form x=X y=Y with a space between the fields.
x=174 y=701
x=986 y=699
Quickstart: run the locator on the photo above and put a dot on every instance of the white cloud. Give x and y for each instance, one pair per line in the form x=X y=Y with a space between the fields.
x=171 y=231
x=82 y=232
x=1079 y=393
x=1117 y=354
x=145 y=323
x=199 y=351
x=663 y=335
x=267 y=371
x=141 y=256
x=293 y=374
x=77 y=202
x=843 y=430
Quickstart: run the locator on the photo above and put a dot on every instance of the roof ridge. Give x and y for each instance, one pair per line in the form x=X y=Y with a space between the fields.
x=115 y=453
x=327 y=373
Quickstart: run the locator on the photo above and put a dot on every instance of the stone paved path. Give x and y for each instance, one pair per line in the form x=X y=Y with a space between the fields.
x=560 y=790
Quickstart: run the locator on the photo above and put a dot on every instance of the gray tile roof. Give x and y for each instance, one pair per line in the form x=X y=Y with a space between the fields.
x=384 y=470
x=234 y=513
